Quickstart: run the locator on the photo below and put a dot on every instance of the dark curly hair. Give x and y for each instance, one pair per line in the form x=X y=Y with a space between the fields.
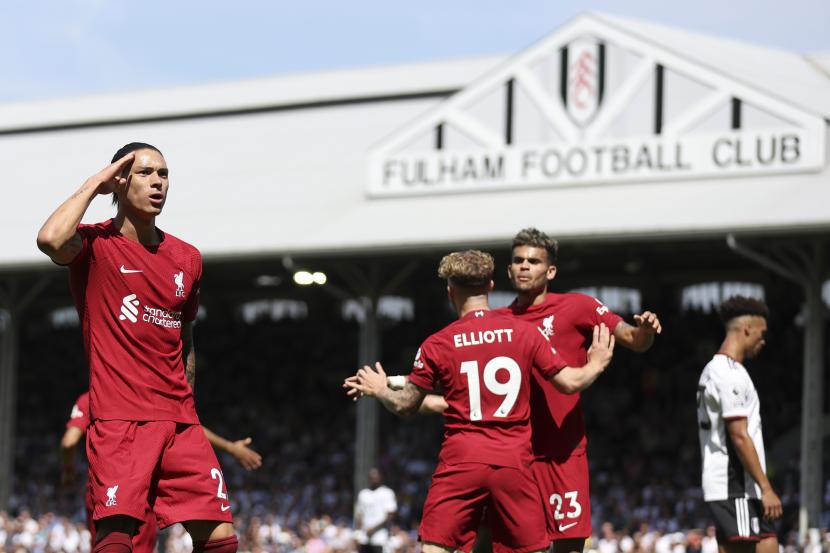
x=738 y=306
x=535 y=238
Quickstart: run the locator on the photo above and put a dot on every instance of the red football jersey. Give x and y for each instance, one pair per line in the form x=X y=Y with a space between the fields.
x=132 y=300
x=79 y=417
x=568 y=320
x=482 y=363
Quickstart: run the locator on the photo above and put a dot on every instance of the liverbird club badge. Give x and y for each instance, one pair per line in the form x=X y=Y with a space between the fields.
x=582 y=79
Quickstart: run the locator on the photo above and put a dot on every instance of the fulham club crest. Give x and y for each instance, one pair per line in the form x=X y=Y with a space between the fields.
x=582 y=79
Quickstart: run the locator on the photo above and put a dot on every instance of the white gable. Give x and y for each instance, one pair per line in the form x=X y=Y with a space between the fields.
x=593 y=103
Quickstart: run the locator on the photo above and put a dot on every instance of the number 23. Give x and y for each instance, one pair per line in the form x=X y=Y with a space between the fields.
x=574 y=508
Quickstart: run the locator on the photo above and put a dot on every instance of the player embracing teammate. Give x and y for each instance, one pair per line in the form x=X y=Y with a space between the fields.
x=558 y=427
x=136 y=289
x=484 y=364
x=559 y=439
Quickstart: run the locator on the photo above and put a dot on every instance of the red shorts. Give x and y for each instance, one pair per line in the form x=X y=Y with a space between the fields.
x=456 y=500
x=165 y=466
x=564 y=484
x=144 y=541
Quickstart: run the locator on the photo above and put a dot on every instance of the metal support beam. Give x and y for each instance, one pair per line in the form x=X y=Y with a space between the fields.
x=367 y=286
x=805 y=267
x=12 y=304
x=366 y=442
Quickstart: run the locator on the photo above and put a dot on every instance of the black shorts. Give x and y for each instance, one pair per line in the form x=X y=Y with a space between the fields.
x=366 y=548
x=740 y=519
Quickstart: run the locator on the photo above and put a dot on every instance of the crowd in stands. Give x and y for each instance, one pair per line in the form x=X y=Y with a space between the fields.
x=278 y=381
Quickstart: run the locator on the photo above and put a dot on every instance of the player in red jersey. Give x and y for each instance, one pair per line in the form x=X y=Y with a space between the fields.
x=483 y=364
x=561 y=466
x=144 y=541
x=136 y=289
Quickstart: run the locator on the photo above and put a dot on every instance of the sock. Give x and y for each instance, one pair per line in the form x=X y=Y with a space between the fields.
x=114 y=542
x=225 y=545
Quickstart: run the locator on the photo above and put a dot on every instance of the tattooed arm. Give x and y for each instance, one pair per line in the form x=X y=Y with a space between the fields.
x=372 y=382
x=189 y=355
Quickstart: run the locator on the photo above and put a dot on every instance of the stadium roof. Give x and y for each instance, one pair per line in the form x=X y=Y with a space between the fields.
x=280 y=165
x=790 y=76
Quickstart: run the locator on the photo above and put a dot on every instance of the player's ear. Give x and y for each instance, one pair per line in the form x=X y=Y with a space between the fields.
x=551 y=274
x=490 y=287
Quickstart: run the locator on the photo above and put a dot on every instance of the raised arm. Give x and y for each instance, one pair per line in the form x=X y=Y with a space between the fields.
x=748 y=456
x=239 y=450
x=640 y=337
x=571 y=380
x=372 y=382
x=189 y=355
x=58 y=237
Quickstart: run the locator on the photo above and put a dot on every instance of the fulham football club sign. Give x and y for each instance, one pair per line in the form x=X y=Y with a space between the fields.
x=593 y=103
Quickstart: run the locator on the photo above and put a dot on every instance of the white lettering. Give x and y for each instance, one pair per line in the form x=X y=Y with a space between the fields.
x=495 y=336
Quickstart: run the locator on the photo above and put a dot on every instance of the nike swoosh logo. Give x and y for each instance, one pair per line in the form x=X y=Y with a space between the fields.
x=127 y=271
x=224 y=507
x=565 y=527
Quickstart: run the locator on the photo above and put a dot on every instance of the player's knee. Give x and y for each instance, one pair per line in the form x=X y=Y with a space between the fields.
x=227 y=544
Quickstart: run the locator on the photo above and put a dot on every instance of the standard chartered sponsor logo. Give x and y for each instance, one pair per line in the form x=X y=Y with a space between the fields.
x=162 y=317
x=153 y=315
x=129 y=308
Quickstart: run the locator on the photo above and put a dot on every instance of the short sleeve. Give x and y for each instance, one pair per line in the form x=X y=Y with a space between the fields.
x=79 y=417
x=191 y=306
x=424 y=369
x=546 y=360
x=734 y=397
x=87 y=233
x=601 y=314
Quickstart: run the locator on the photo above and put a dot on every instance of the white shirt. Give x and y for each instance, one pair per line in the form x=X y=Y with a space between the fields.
x=725 y=391
x=373 y=506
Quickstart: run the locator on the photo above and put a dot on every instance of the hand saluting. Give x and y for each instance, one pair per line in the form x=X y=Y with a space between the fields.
x=107 y=179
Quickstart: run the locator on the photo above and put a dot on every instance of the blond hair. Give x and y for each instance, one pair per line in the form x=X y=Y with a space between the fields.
x=467 y=269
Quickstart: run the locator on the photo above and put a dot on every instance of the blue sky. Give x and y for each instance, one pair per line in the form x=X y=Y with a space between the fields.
x=59 y=48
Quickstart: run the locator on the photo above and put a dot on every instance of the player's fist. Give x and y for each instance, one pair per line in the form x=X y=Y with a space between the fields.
x=602 y=346
x=109 y=178
x=772 y=505
x=648 y=322
x=368 y=381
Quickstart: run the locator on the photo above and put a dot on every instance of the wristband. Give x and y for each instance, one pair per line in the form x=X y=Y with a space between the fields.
x=396 y=382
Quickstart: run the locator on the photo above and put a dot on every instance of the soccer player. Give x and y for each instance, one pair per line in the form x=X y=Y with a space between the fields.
x=374 y=509
x=136 y=289
x=735 y=485
x=144 y=541
x=483 y=363
x=559 y=440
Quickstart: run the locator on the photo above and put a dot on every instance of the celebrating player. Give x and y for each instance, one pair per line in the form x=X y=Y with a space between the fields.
x=735 y=485
x=483 y=363
x=561 y=466
x=136 y=289
x=144 y=541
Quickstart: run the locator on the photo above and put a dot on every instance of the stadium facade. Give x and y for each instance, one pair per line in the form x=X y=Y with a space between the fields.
x=608 y=131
